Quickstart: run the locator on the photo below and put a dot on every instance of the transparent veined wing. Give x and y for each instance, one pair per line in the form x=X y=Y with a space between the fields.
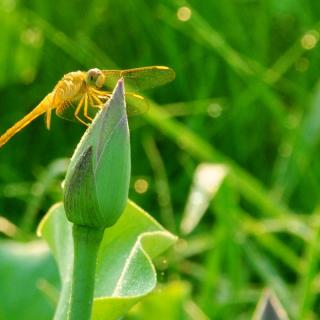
x=139 y=79
x=136 y=105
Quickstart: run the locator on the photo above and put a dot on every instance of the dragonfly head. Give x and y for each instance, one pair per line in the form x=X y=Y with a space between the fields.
x=95 y=77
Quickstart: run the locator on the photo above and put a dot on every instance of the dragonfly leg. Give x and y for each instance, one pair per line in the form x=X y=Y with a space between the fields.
x=97 y=95
x=78 y=110
x=134 y=95
x=85 y=109
x=99 y=104
x=101 y=93
x=91 y=101
x=48 y=118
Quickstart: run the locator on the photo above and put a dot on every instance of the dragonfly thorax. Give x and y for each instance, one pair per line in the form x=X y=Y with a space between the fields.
x=70 y=87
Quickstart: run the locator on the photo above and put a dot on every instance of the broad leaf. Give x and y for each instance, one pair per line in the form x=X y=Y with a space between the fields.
x=125 y=272
x=28 y=281
x=175 y=296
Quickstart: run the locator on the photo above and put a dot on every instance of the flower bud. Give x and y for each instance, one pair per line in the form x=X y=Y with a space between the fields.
x=97 y=180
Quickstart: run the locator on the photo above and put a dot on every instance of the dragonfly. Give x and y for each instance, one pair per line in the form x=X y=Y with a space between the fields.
x=79 y=93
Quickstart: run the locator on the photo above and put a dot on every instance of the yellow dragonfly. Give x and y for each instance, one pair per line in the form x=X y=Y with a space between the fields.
x=78 y=92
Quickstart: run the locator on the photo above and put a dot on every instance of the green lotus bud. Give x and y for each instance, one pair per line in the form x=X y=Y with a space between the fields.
x=97 y=180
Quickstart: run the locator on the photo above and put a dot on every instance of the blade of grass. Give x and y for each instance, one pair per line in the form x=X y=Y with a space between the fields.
x=307 y=294
x=270 y=242
x=290 y=170
x=161 y=182
x=250 y=188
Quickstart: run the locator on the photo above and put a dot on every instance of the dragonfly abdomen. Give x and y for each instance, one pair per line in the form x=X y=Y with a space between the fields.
x=43 y=107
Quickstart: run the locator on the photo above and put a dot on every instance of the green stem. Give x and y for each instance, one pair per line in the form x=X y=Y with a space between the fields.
x=86 y=245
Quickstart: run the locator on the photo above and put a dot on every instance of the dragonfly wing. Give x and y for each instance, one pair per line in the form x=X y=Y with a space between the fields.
x=136 y=104
x=140 y=78
x=67 y=111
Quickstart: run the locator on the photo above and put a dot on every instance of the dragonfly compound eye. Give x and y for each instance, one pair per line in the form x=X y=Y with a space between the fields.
x=95 y=77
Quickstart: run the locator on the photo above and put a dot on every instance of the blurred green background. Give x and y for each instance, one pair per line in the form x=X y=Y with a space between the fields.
x=246 y=96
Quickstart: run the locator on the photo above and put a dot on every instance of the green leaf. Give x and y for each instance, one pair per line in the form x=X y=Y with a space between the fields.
x=28 y=281
x=175 y=296
x=125 y=272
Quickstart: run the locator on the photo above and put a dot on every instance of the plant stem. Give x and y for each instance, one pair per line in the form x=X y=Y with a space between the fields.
x=86 y=245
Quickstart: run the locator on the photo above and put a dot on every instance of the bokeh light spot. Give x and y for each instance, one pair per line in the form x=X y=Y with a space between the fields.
x=184 y=13
x=309 y=40
x=214 y=110
x=141 y=185
x=32 y=37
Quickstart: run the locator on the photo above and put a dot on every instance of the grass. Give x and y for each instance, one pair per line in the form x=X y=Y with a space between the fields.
x=258 y=62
